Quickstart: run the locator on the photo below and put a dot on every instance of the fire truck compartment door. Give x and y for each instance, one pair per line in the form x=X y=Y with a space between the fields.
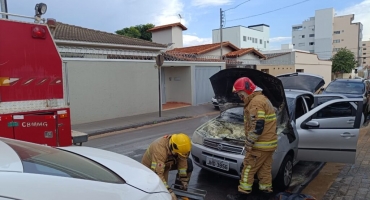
x=40 y=129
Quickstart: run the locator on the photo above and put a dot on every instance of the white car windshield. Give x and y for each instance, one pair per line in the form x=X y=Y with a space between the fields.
x=38 y=159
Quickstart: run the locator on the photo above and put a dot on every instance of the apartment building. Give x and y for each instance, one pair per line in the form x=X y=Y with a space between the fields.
x=324 y=34
x=256 y=36
x=365 y=53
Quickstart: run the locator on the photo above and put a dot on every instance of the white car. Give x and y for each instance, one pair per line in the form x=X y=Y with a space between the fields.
x=36 y=172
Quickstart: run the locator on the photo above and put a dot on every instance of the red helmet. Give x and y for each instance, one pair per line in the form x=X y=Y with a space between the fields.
x=244 y=84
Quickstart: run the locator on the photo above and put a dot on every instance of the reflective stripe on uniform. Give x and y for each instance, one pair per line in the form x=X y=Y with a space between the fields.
x=182 y=171
x=262 y=145
x=165 y=184
x=265 y=186
x=244 y=182
x=271 y=117
x=260 y=114
x=154 y=165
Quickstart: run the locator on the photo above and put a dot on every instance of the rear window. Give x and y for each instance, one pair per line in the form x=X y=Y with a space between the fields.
x=38 y=159
x=346 y=87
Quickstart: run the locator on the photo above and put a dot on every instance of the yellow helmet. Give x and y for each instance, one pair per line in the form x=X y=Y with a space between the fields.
x=180 y=143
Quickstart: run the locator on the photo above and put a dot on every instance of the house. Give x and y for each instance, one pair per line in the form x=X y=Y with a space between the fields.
x=232 y=55
x=80 y=42
x=291 y=60
x=111 y=76
x=170 y=34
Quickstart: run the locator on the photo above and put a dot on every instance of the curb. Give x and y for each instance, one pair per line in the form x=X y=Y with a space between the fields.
x=120 y=128
x=313 y=175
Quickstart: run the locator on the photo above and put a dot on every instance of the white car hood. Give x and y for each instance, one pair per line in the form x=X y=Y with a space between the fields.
x=133 y=172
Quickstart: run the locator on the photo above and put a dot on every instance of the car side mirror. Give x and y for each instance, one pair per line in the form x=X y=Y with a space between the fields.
x=312 y=124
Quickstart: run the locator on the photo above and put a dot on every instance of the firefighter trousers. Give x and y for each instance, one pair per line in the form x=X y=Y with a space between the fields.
x=259 y=162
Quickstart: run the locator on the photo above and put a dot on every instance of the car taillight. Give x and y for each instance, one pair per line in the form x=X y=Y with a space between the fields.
x=38 y=32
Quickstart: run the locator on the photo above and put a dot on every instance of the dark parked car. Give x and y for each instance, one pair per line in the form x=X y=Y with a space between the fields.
x=351 y=88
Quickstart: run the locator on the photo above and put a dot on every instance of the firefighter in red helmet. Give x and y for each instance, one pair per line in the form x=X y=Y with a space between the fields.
x=261 y=137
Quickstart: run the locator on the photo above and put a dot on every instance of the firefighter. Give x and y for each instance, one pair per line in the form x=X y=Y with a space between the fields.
x=261 y=137
x=170 y=152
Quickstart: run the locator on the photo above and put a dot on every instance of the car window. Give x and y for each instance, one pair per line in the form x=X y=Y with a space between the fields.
x=335 y=110
x=38 y=159
x=290 y=102
x=346 y=87
x=323 y=99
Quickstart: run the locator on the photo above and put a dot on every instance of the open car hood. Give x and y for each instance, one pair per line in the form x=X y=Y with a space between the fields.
x=223 y=81
x=302 y=81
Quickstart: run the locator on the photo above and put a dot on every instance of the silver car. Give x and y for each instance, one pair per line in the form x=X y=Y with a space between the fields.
x=310 y=127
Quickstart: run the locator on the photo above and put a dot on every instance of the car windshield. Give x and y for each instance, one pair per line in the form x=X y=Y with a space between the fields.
x=38 y=159
x=346 y=87
x=233 y=114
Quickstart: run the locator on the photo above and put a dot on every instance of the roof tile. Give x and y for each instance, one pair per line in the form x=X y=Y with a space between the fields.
x=241 y=52
x=157 y=28
x=201 y=49
x=76 y=33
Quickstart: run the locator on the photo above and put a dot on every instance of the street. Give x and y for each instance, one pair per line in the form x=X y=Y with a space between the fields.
x=134 y=143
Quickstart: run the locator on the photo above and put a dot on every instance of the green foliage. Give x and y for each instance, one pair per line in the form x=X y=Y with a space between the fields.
x=138 y=31
x=344 y=61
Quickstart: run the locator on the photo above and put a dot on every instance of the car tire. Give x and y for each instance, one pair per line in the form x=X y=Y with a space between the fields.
x=284 y=176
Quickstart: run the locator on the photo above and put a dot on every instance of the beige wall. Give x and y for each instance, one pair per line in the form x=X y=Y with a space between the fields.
x=277 y=69
x=349 y=34
x=178 y=84
x=310 y=63
x=365 y=47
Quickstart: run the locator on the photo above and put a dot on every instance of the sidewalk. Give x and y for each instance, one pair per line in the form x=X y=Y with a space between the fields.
x=353 y=181
x=117 y=124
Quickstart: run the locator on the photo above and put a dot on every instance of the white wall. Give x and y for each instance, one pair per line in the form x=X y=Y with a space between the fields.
x=178 y=84
x=324 y=20
x=177 y=37
x=235 y=36
x=106 y=89
x=163 y=36
x=302 y=38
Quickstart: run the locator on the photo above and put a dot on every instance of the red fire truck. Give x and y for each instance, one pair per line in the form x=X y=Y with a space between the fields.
x=33 y=87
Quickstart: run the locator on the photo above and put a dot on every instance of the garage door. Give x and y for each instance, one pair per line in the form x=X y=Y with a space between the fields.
x=203 y=87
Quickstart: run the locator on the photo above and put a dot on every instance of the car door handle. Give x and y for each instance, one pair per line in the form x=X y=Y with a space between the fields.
x=346 y=134
x=350 y=121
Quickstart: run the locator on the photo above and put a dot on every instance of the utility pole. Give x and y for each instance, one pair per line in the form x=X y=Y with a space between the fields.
x=4 y=8
x=221 y=25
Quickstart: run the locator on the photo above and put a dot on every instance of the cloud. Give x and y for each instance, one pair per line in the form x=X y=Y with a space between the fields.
x=280 y=39
x=192 y=40
x=204 y=3
x=362 y=14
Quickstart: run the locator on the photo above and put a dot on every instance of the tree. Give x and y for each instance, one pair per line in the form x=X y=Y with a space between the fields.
x=344 y=61
x=138 y=31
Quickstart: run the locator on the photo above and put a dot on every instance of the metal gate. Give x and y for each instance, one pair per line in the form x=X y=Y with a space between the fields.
x=203 y=88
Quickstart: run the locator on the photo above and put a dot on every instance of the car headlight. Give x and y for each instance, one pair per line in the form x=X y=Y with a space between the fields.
x=197 y=138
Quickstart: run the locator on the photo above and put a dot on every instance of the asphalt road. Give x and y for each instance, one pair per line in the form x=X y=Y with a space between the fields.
x=133 y=143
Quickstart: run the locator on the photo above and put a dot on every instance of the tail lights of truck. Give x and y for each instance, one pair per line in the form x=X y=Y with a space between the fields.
x=38 y=32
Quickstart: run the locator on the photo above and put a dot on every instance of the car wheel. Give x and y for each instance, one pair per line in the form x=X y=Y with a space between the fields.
x=284 y=176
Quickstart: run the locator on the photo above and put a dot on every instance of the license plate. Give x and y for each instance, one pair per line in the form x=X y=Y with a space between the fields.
x=220 y=164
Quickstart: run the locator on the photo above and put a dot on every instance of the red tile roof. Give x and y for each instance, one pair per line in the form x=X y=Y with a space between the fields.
x=76 y=33
x=157 y=28
x=241 y=52
x=201 y=49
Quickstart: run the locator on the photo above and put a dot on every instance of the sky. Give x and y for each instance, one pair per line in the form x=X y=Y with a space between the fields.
x=199 y=16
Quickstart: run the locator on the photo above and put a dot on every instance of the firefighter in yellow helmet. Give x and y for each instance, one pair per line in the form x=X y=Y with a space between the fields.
x=170 y=152
x=261 y=137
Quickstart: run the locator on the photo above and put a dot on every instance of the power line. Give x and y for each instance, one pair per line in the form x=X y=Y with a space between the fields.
x=237 y=5
x=270 y=11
